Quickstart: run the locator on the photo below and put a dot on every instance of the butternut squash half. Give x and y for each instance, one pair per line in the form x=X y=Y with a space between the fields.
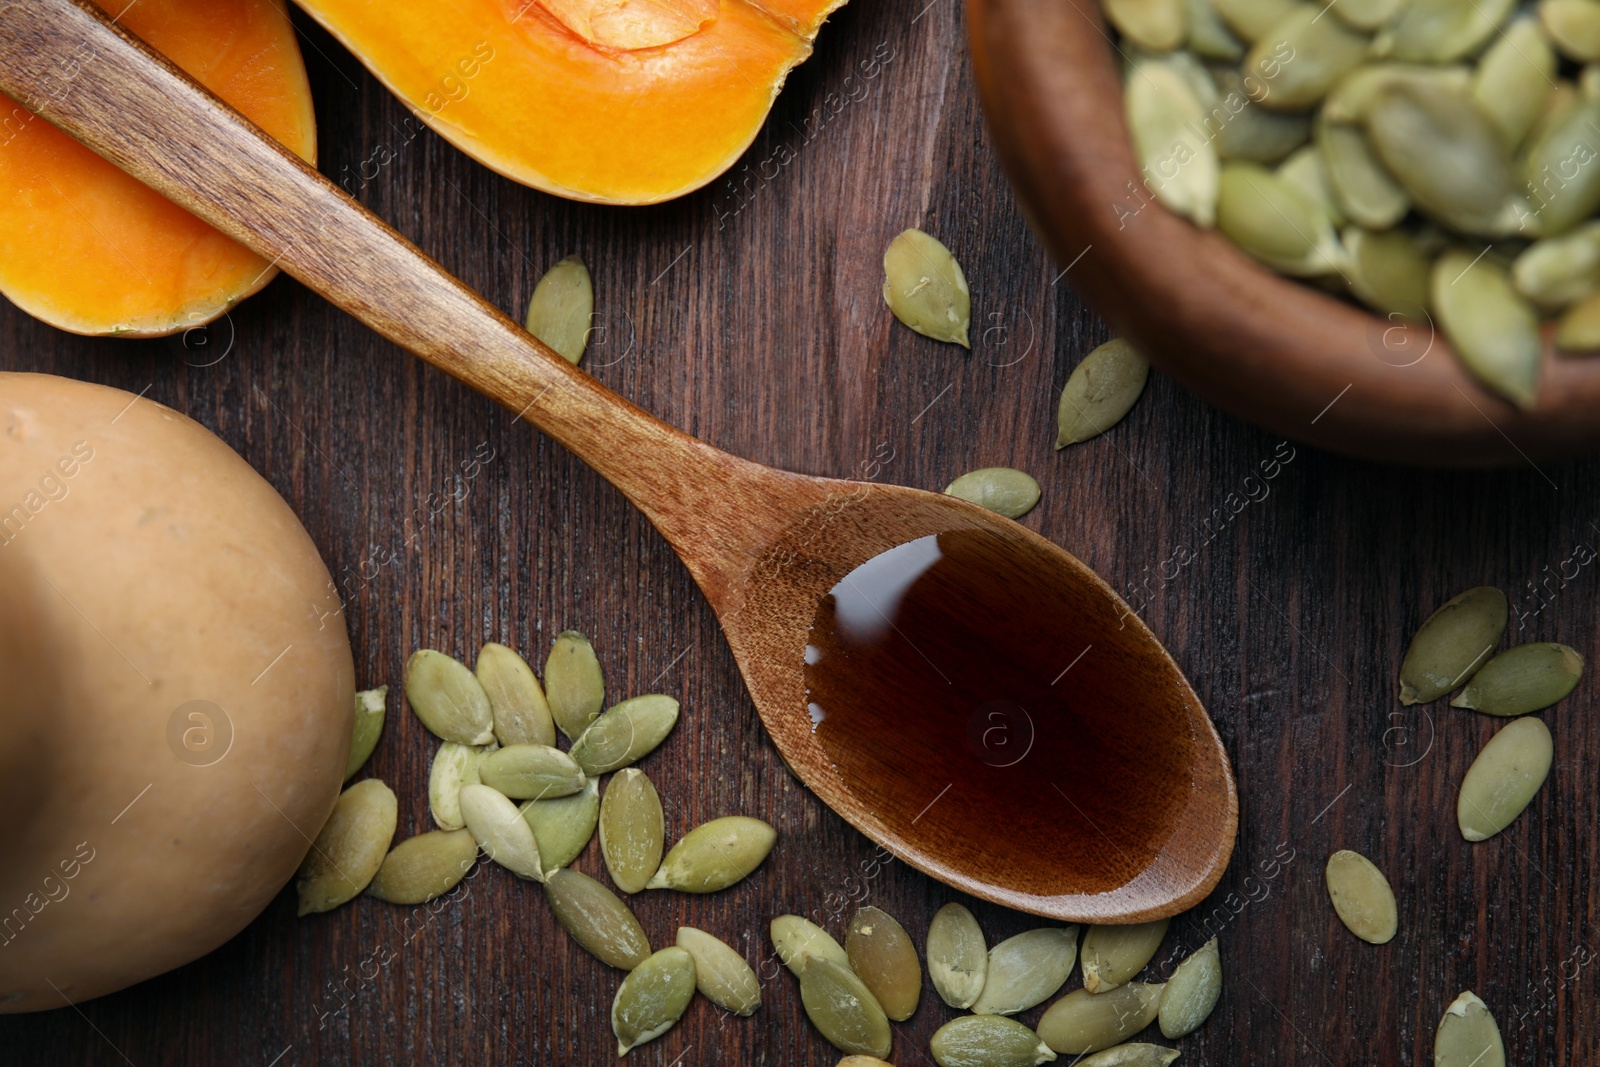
x=88 y=249
x=610 y=101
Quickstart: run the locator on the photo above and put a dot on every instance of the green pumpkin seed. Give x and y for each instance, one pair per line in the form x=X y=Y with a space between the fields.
x=521 y=716
x=573 y=687
x=1365 y=192
x=1113 y=954
x=1442 y=31
x=1574 y=26
x=652 y=998
x=1467 y=1036
x=1209 y=36
x=1446 y=155
x=988 y=1041
x=1132 y=1055
x=562 y=309
x=424 y=867
x=1192 y=992
x=632 y=830
x=1154 y=25
x=1306 y=174
x=370 y=707
x=1272 y=222
x=1522 y=679
x=1514 y=80
x=1083 y=1022
x=715 y=855
x=597 y=919
x=1454 y=642
x=1504 y=778
x=1589 y=80
x=1004 y=491
x=1027 y=969
x=1349 y=100
x=721 y=974
x=1102 y=389
x=863 y=1061
x=531 y=772
x=349 y=848
x=1388 y=272
x=798 y=940
x=958 y=959
x=1322 y=50
x=1361 y=897
x=499 y=829
x=448 y=699
x=1493 y=328
x=1166 y=119
x=882 y=955
x=1579 y=328
x=843 y=1009
x=1559 y=166
x=626 y=733
x=1558 y=271
x=454 y=766
x=1367 y=16
x=563 y=825
x=1246 y=130
x=925 y=288
x=1254 y=19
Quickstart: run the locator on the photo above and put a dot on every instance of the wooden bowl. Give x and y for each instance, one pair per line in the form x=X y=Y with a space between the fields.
x=1276 y=352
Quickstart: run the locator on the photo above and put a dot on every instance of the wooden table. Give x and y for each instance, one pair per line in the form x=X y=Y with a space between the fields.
x=750 y=314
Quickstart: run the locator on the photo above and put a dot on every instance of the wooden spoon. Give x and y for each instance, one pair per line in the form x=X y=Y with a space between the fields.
x=1000 y=720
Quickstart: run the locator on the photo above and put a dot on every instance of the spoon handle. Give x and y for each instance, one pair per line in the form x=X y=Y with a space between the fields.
x=70 y=63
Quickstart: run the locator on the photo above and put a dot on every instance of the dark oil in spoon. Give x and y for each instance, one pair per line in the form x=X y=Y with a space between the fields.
x=965 y=698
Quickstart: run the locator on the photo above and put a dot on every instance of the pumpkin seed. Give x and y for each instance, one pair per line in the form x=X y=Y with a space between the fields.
x=1367 y=16
x=882 y=954
x=1246 y=130
x=626 y=733
x=1027 y=969
x=1467 y=1036
x=1442 y=31
x=370 y=707
x=958 y=959
x=1522 y=679
x=1558 y=166
x=448 y=699
x=1493 y=328
x=454 y=766
x=1083 y=1022
x=1452 y=643
x=1004 y=491
x=1365 y=192
x=597 y=919
x=863 y=1061
x=798 y=940
x=1514 y=80
x=1323 y=51
x=562 y=308
x=843 y=1009
x=1589 y=80
x=1361 y=897
x=1272 y=222
x=517 y=704
x=1574 y=26
x=1388 y=272
x=1113 y=954
x=1349 y=100
x=1166 y=120
x=563 y=825
x=421 y=868
x=924 y=287
x=1558 y=271
x=632 y=830
x=721 y=974
x=1101 y=390
x=1504 y=778
x=1192 y=992
x=531 y=772
x=573 y=687
x=1446 y=155
x=349 y=848
x=500 y=831
x=1254 y=19
x=652 y=998
x=1154 y=25
x=1131 y=1056
x=1306 y=174
x=1209 y=36
x=988 y=1041
x=715 y=855
x=1579 y=328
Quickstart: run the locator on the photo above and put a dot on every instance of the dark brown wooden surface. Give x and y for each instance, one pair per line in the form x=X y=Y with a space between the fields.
x=750 y=314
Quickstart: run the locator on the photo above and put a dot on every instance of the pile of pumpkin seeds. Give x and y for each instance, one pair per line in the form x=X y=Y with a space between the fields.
x=1431 y=159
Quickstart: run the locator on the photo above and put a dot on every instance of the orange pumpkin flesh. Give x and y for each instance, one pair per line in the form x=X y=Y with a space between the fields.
x=89 y=249
x=612 y=101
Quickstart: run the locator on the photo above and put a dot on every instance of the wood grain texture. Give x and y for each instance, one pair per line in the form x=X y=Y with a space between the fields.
x=750 y=314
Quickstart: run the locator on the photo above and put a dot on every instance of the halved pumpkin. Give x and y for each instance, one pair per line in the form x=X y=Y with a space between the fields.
x=89 y=249
x=613 y=101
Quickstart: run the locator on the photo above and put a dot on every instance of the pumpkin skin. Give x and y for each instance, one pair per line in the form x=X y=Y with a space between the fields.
x=144 y=566
x=553 y=93
x=88 y=249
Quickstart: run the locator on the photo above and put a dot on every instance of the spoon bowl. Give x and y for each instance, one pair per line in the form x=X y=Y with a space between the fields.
x=1147 y=812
